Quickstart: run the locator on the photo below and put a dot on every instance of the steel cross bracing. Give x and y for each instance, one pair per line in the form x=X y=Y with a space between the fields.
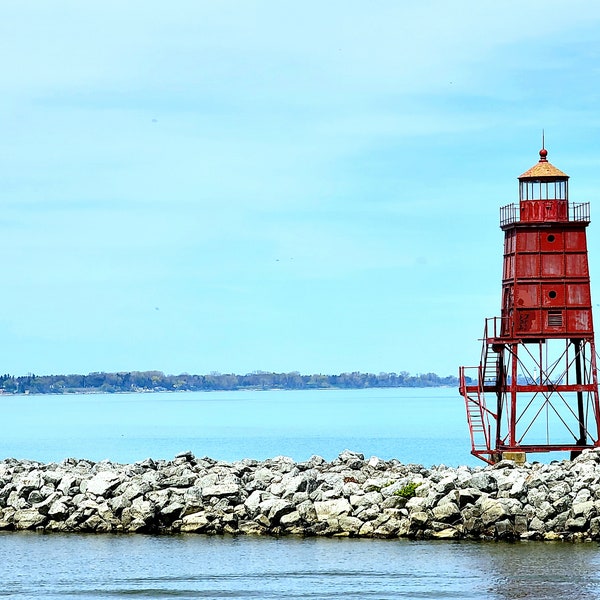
x=544 y=391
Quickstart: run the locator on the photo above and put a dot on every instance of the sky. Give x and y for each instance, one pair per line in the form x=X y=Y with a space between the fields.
x=232 y=186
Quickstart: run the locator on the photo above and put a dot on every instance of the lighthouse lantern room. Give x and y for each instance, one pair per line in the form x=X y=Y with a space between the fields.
x=536 y=387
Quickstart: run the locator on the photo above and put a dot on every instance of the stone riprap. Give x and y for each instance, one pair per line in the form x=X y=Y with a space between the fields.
x=349 y=496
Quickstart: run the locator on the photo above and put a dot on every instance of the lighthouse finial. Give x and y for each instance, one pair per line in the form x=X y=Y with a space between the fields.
x=543 y=151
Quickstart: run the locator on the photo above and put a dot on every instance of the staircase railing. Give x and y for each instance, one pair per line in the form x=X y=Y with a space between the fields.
x=477 y=415
x=486 y=375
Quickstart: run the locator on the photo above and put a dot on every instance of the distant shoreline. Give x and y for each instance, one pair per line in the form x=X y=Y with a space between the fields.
x=157 y=381
x=248 y=389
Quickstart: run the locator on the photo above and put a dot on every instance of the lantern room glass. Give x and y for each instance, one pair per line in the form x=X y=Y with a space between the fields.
x=543 y=190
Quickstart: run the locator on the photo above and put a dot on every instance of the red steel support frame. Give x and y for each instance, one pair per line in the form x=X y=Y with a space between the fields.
x=537 y=394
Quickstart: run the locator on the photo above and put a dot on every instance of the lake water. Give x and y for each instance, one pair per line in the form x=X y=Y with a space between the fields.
x=427 y=426
x=104 y=566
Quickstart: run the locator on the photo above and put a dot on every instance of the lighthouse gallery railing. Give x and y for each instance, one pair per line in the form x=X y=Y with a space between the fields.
x=578 y=211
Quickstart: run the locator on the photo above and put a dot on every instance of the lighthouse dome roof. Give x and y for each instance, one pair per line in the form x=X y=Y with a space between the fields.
x=543 y=169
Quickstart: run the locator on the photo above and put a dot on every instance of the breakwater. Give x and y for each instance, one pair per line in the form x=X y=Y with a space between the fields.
x=349 y=496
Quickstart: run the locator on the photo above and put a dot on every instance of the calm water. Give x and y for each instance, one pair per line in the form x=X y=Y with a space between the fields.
x=425 y=426
x=71 y=566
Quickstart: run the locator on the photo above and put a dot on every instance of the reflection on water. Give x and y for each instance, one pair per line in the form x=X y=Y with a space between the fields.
x=59 y=566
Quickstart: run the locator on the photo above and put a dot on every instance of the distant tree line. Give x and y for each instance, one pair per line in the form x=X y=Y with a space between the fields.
x=142 y=381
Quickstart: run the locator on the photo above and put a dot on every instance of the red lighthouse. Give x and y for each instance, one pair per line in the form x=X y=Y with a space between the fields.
x=536 y=387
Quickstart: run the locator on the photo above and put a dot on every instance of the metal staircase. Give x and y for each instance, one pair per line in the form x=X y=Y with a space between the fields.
x=490 y=366
x=487 y=376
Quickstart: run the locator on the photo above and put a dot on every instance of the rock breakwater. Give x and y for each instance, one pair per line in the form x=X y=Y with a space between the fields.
x=349 y=496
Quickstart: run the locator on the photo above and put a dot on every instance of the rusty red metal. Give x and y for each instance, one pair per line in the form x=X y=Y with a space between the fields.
x=538 y=360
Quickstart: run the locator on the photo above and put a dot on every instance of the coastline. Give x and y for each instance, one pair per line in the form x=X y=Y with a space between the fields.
x=348 y=497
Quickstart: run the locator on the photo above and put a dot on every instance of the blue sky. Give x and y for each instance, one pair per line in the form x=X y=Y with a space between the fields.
x=196 y=186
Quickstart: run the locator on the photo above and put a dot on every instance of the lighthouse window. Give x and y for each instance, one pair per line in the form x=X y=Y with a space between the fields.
x=552 y=294
x=551 y=238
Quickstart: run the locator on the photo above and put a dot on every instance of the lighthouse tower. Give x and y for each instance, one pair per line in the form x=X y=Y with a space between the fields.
x=536 y=387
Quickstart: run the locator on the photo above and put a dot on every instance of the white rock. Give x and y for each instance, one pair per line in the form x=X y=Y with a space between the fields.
x=329 y=509
x=102 y=482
